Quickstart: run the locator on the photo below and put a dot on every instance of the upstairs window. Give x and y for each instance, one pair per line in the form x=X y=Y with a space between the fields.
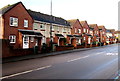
x=84 y=30
x=12 y=38
x=79 y=30
x=25 y=23
x=84 y=38
x=42 y=26
x=35 y=26
x=87 y=31
x=13 y=21
x=75 y=30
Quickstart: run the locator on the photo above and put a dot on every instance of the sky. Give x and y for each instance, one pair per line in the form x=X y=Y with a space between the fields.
x=100 y=12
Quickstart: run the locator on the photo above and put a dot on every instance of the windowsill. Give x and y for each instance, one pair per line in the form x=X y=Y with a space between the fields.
x=42 y=29
x=25 y=27
x=14 y=26
x=12 y=43
x=53 y=31
x=64 y=32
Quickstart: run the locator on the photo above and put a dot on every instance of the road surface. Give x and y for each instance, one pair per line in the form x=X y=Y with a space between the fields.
x=99 y=63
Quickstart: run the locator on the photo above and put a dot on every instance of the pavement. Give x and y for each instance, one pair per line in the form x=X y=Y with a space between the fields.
x=33 y=56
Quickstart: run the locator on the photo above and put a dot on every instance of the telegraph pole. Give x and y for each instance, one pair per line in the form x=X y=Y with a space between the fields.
x=51 y=26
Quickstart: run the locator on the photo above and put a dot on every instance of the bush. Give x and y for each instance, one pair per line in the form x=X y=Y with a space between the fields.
x=83 y=44
x=70 y=45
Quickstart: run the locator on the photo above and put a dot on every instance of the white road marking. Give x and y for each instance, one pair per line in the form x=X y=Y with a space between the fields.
x=25 y=72
x=99 y=53
x=110 y=54
x=78 y=58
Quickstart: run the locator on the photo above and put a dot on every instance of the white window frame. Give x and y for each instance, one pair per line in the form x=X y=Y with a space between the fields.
x=84 y=38
x=25 y=23
x=14 y=22
x=43 y=26
x=13 y=38
x=79 y=30
x=87 y=30
x=84 y=30
x=35 y=26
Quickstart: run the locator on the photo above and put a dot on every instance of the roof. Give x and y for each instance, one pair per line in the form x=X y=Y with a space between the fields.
x=8 y=7
x=82 y=22
x=101 y=27
x=111 y=30
x=48 y=18
x=92 y=25
x=72 y=21
x=117 y=32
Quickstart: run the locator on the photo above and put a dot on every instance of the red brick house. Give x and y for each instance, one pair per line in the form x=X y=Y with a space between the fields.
x=17 y=31
x=86 y=36
x=95 y=33
x=102 y=34
x=76 y=32
x=110 y=33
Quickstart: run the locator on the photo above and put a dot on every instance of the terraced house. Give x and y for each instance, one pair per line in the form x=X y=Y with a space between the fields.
x=86 y=36
x=60 y=27
x=26 y=32
x=17 y=31
x=76 y=32
x=95 y=33
x=110 y=33
x=102 y=30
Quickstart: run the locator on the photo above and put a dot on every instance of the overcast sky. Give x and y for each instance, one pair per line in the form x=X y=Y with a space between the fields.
x=101 y=12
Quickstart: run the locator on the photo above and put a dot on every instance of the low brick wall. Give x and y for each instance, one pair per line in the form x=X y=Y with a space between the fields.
x=94 y=45
x=80 y=46
x=9 y=51
x=63 y=48
x=88 y=46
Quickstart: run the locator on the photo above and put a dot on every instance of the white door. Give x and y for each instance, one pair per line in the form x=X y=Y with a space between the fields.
x=79 y=41
x=89 y=40
x=25 y=42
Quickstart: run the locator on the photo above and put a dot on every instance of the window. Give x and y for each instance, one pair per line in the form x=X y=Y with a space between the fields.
x=32 y=39
x=13 y=21
x=42 y=26
x=25 y=23
x=35 y=26
x=84 y=38
x=84 y=30
x=91 y=32
x=57 y=28
x=87 y=30
x=64 y=29
x=97 y=32
x=79 y=30
x=12 y=38
x=75 y=30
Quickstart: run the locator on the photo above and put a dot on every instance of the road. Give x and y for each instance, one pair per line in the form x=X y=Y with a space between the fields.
x=99 y=63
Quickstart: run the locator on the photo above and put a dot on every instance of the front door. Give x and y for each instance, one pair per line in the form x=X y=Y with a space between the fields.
x=89 y=40
x=25 y=42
